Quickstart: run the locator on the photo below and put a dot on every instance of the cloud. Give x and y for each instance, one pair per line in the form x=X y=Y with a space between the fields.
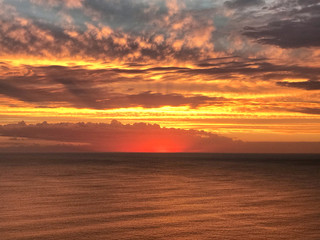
x=81 y=97
x=158 y=53
x=288 y=33
x=147 y=31
x=308 y=2
x=307 y=85
x=118 y=137
x=238 y=4
x=307 y=110
x=229 y=68
x=138 y=137
x=291 y=24
x=160 y=35
x=107 y=88
x=155 y=100
x=84 y=88
x=55 y=3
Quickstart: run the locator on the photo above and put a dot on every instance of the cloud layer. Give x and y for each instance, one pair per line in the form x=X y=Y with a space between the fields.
x=110 y=88
x=154 y=30
x=299 y=28
x=116 y=137
x=138 y=137
x=157 y=60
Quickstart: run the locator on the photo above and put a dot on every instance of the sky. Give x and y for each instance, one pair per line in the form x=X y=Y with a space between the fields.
x=160 y=76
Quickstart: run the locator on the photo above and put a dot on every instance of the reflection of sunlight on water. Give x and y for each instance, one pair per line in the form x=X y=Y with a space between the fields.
x=137 y=197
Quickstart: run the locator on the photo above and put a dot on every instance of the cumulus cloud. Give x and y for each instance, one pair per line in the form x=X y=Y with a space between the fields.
x=153 y=30
x=161 y=33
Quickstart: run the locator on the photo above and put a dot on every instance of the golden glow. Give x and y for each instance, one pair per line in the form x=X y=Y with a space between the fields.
x=284 y=126
x=65 y=62
x=245 y=99
x=171 y=68
x=144 y=113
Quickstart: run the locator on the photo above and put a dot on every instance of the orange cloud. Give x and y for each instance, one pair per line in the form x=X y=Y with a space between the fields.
x=67 y=3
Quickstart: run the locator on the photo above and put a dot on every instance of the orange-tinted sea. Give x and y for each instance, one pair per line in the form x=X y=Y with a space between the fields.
x=86 y=196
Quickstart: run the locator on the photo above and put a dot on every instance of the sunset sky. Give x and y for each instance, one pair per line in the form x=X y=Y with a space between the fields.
x=160 y=76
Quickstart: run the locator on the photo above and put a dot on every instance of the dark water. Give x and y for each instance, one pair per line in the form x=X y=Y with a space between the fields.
x=159 y=196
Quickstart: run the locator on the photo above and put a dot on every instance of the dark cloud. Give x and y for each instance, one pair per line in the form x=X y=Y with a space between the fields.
x=292 y=24
x=288 y=33
x=281 y=147
x=308 y=85
x=10 y=90
x=41 y=90
x=119 y=137
x=129 y=15
x=308 y=110
x=238 y=4
x=253 y=68
x=308 y=2
x=154 y=100
x=83 y=88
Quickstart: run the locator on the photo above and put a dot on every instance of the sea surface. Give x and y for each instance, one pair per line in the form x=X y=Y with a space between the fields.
x=159 y=196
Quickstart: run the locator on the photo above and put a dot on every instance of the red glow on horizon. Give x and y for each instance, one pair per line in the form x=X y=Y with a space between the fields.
x=147 y=143
x=160 y=145
x=156 y=144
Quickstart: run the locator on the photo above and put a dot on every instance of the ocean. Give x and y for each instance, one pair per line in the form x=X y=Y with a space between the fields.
x=85 y=196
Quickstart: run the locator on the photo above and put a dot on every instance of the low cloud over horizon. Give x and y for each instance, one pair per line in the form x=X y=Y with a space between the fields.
x=137 y=137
